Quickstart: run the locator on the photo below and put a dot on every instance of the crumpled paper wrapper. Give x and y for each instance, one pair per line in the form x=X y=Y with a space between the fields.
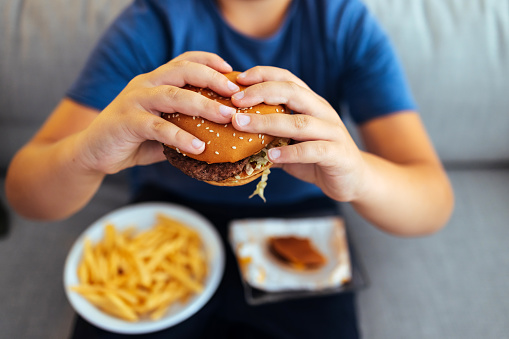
x=261 y=269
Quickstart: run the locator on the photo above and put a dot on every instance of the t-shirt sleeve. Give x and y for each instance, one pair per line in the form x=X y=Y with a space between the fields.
x=122 y=53
x=374 y=82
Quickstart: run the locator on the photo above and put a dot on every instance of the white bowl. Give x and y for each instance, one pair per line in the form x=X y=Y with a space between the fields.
x=143 y=216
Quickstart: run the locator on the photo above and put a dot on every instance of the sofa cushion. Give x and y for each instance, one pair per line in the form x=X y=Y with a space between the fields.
x=452 y=284
x=456 y=54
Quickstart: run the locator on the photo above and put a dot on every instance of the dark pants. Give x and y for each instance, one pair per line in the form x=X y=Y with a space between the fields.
x=227 y=315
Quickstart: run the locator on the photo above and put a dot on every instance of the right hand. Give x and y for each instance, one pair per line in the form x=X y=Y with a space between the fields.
x=130 y=130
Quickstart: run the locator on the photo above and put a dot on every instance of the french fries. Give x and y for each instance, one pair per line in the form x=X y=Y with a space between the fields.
x=136 y=276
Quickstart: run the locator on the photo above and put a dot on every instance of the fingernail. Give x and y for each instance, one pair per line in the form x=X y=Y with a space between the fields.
x=238 y=95
x=242 y=75
x=228 y=65
x=197 y=143
x=226 y=111
x=274 y=153
x=242 y=119
x=232 y=86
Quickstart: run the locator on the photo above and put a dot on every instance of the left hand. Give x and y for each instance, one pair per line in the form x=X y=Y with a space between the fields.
x=325 y=153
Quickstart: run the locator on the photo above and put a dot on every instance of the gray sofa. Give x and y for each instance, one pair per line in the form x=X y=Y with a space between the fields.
x=454 y=284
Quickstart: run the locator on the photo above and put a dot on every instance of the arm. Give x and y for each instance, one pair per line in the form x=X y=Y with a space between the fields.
x=398 y=184
x=407 y=191
x=46 y=179
x=61 y=168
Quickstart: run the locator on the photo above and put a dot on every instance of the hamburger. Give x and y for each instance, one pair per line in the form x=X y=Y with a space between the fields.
x=231 y=157
x=298 y=252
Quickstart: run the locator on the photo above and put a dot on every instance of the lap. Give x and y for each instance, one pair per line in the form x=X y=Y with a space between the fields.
x=227 y=315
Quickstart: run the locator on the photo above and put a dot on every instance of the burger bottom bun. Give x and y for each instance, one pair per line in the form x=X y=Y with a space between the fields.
x=244 y=179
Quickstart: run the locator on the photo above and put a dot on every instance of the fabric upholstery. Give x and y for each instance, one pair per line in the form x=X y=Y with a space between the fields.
x=452 y=284
x=449 y=285
x=456 y=54
x=43 y=47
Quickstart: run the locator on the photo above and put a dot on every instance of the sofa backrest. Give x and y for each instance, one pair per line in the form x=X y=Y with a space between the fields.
x=456 y=54
x=43 y=47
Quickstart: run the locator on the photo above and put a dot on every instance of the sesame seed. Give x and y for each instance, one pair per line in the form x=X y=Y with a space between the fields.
x=216 y=152
x=202 y=121
x=251 y=107
x=282 y=109
x=198 y=125
x=208 y=142
x=263 y=141
x=263 y=136
x=211 y=131
x=176 y=148
x=234 y=147
x=225 y=125
x=233 y=134
x=277 y=110
x=207 y=127
x=217 y=135
x=259 y=136
x=194 y=117
x=258 y=112
x=241 y=138
x=250 y=140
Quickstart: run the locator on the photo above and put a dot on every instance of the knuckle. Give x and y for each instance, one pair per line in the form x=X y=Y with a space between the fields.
x=158 y=126
x=172 y=93
x=298 y=152
x=137 y=80
x=292 y=86
x=300 y=121
x=257 y=70
x=179 y=135
x=187 y=54
x=217 y=77
x=287 y=74
x=320 y=149
x=182 y=63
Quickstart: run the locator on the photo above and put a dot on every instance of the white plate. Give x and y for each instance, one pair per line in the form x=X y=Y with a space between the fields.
x=143 y=216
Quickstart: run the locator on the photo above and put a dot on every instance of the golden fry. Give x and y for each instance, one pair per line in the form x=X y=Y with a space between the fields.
x=136 y=276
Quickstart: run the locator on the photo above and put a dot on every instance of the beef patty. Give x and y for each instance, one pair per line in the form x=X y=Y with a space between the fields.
x=203 y=171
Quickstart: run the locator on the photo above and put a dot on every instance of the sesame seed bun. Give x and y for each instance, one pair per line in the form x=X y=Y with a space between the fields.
x=223 y=143
x=227 y=150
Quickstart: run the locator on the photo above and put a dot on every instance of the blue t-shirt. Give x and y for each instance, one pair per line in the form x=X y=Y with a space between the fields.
x=335 y=46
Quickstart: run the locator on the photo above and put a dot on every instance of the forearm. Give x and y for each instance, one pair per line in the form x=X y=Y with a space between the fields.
x=47 y=181
x=405 y=199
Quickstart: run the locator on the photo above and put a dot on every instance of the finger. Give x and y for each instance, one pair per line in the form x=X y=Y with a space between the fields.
x=208 y=59
x=149 y=152
x=185 y=72
x=267 y=73
x=171 y=99
x=312 y=152
x=299 y=127
x=150 y=127
x=295 y=97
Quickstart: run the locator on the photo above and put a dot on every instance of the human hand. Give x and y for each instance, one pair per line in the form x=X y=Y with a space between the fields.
x=130 y=130
x=324 y=154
